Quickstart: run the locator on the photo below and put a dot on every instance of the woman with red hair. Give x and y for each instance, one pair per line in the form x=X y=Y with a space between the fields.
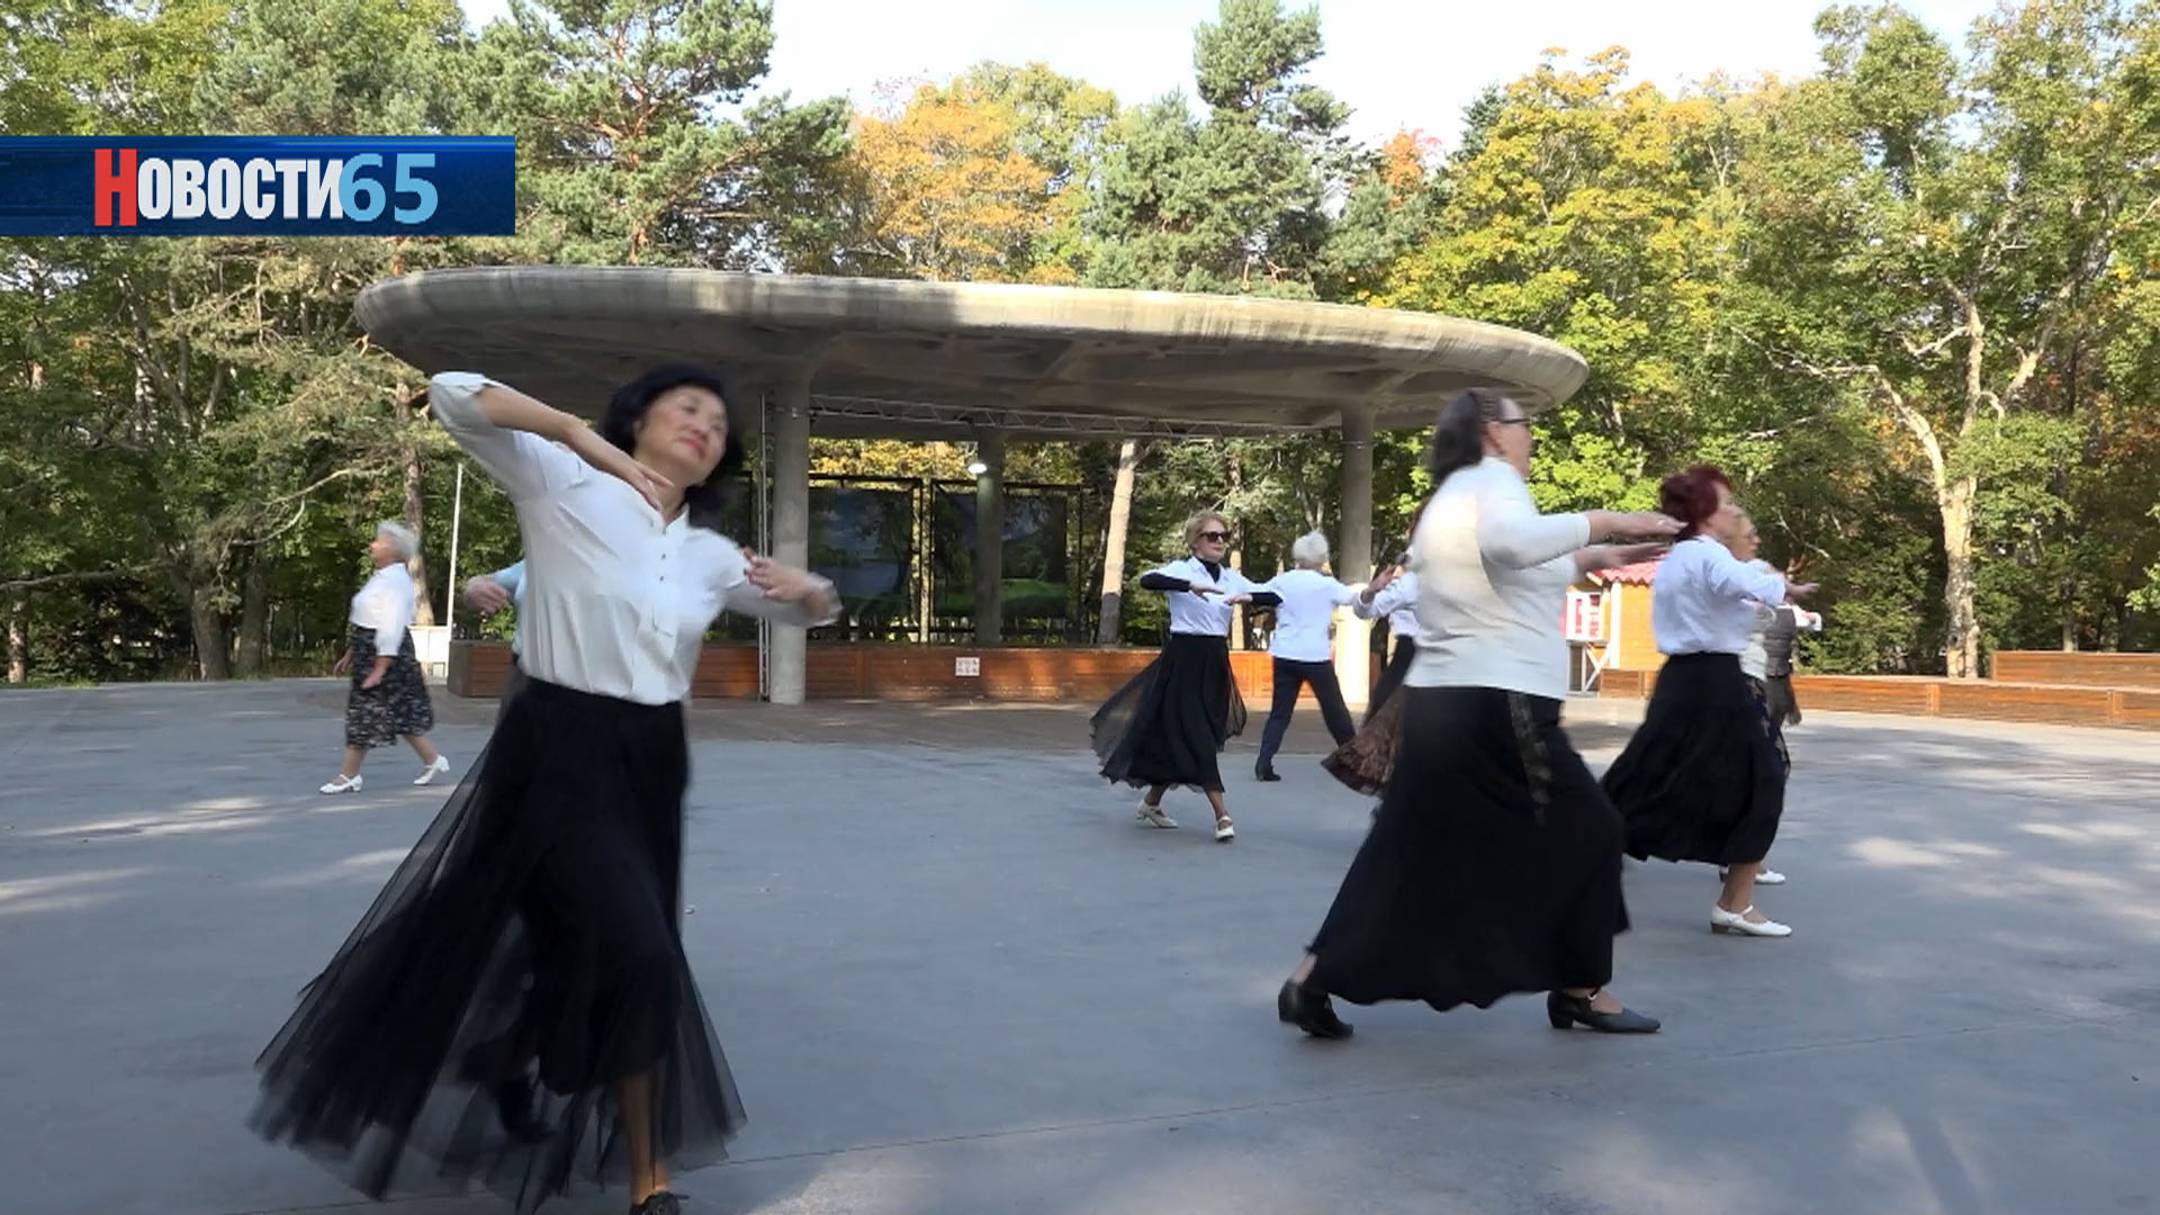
x=1703 y=780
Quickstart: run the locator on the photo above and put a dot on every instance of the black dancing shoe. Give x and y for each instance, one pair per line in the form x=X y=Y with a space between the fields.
x=1265 y=772
x=1309 y=1010
x=1566 y=1012
x=659 y=1202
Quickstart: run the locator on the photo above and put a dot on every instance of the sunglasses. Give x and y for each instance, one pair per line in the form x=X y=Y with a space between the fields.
x=1215 y=535
x=1510 y=421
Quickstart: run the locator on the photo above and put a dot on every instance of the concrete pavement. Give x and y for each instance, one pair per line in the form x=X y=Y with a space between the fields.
x=952 y=976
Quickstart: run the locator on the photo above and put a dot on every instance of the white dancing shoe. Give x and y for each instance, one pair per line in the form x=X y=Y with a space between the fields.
x=1152 y=816
x=1763 y=877
x=1224 y=830
x=428 y=774
x=343 y=784
x=1722 y=920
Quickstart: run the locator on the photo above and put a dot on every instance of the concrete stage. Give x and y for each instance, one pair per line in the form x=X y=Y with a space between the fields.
x=953 y=977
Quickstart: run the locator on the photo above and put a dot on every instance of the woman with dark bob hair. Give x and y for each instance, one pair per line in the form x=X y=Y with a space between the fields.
x=1493 y=864
x=1703 y=779
x=515 y=1008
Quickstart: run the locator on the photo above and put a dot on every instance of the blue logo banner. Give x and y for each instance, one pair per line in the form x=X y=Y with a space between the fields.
x=249 y=186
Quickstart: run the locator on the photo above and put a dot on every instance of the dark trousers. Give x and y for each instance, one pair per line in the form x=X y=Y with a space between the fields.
x=1290 y=678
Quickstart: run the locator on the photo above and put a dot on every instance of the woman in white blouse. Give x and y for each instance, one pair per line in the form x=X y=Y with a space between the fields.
x=1168 y=724
x=516 y=1007
x=1493 y=865
x=1703 y=778
x=389 y=696
x=1771 y=689
x=1303 y=648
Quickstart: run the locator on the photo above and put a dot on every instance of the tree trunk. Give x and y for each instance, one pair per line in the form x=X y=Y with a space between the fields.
x=18 y=641
x=1962 y=651
x=254 y=618
x=416 y=518
x=2069 y=625
x=1109 y=628
x=208 y=626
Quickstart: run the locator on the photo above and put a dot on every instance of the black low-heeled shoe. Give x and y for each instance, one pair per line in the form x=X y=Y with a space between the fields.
x=1309 y=1010
x=1265 y=773
x=659 y=1202
x=1566 y=1012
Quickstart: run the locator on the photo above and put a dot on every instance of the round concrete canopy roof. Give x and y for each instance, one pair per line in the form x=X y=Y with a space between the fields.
x=904 y=358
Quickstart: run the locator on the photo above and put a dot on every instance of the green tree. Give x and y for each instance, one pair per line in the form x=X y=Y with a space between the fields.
x=1236 y=201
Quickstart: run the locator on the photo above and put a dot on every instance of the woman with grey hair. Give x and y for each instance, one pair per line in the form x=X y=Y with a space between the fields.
x=389 y=698
x=1303 y=648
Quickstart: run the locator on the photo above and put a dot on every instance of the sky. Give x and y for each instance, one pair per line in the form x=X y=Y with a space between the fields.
x=1398 y=63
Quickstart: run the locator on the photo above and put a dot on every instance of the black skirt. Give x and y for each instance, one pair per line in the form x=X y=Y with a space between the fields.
x=531 y=941
x=1168 y=723
x=1391 y=676
x=1492 y=867
x=1704 y=777
x=1778 y=698
x=398 y=707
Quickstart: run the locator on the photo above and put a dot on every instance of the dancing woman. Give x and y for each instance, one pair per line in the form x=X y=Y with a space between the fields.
x=1774 y=627
x=515 y=1008
x=1703 y=779
x=389 y=696
x=1368 y=759
x=1493 y=865
x=1168 y=724
x=1767 y=661
x=1303 y=648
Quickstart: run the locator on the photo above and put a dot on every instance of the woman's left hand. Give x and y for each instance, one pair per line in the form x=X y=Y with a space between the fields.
x=374 y=677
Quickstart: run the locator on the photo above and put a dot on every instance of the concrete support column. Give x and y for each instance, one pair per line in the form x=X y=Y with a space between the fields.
x=990 y=538
x=790 y=420
x=1353 y=554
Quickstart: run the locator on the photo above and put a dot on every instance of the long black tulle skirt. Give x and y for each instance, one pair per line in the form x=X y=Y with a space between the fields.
x=1703 y=779
x=1168 y=723
x=1492 y=867
x=530 y=942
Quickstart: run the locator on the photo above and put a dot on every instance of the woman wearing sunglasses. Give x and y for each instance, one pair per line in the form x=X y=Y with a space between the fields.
x=1168 y=724
x=1493 y=865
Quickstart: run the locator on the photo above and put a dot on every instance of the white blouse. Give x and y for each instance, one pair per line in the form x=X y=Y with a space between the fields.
x=1204 y=615
x=1397 y=601
x=1492 y=580
x=385 y=604
x=1704 y=599
x=617 y=599
x=1304 y=618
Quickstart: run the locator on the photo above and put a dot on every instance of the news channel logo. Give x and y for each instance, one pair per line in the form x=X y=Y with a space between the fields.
x=254 y=186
